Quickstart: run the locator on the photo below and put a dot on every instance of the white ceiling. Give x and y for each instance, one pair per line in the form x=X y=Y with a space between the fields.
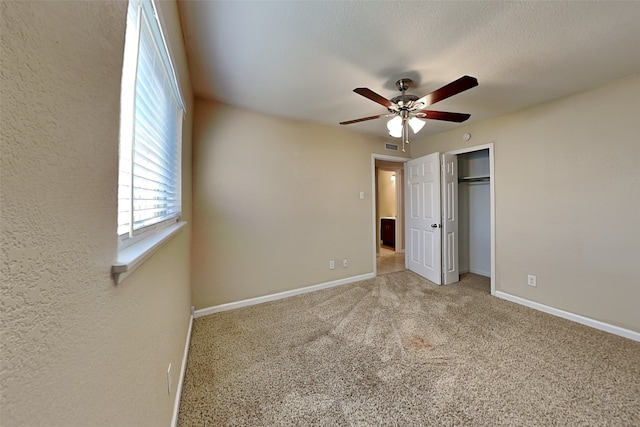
x=302 y=60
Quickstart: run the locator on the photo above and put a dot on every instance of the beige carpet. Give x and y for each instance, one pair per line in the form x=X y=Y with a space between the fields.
x=398 y=350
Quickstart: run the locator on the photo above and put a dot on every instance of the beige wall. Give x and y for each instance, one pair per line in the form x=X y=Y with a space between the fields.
x=77 y=350
x=567 y=180
x=274 y=201
x=386 y=194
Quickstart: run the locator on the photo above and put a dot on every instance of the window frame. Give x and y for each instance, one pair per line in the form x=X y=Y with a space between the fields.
x=135 y=245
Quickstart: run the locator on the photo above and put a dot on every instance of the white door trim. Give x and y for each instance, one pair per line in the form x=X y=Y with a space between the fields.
x=374 y=157
x=492 y=203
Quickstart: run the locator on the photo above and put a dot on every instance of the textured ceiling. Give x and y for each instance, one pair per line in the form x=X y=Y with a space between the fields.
x=302 y=60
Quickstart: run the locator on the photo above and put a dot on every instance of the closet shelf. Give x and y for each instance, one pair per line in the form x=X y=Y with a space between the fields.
x=474 y=178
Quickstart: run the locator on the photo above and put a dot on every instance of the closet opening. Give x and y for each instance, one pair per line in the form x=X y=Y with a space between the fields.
x=474 y=213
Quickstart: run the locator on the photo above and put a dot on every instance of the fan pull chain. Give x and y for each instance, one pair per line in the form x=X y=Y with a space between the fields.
x=405 y=132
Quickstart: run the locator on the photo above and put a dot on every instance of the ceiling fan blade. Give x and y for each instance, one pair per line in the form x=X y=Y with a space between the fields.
x=442 y=115
x=364 y=119
x=368 y=93
x=453 y=88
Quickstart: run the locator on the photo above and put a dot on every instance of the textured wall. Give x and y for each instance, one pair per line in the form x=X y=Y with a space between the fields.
x=567 y=200
x=77 y=350
x=274 y=201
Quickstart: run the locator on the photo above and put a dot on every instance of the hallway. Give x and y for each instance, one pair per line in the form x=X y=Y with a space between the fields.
x=389 y=261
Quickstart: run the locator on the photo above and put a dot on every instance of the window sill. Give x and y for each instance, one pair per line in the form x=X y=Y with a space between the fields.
x=132 y=257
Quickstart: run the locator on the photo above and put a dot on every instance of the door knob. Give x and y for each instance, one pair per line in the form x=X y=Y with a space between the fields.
x=434 y=225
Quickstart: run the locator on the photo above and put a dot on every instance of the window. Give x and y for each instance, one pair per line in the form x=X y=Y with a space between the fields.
x=149 y=182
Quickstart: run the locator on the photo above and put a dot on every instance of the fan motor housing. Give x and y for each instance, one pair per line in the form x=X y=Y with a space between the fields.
x=404 y=102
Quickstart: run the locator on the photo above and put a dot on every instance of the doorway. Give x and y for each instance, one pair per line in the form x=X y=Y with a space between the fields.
x=476 y=211
x=388 y=213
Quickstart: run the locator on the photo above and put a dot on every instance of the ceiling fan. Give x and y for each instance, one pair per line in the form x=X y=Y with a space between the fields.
x=407 y=110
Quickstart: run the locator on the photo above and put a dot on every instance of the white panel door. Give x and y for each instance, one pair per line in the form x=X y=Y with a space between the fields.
x=450 y=269
x=422 y=213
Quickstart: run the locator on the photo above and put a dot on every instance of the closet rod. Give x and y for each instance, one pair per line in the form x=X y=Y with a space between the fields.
x=474 y=179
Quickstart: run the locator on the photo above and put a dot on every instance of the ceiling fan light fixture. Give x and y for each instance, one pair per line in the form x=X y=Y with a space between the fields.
x=395 y=127
x=416 y=124
x=396 y=133
x=408 y=110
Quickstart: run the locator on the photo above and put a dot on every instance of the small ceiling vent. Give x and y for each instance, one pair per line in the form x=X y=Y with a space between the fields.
x=391 y=147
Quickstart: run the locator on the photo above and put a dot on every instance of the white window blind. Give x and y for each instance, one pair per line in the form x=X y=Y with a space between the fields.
x=149 y=187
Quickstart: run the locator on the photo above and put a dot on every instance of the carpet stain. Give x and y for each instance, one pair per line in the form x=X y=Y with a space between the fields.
x=417 y=342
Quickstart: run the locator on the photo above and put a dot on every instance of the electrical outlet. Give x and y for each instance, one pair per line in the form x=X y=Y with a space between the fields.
x=531 y=280
x=332 y=264
x=345 y=263
x=169 y=379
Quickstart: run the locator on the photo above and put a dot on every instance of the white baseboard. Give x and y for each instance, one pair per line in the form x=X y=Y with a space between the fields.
x=273 y=297
x=183 y=368
x=612 y=329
